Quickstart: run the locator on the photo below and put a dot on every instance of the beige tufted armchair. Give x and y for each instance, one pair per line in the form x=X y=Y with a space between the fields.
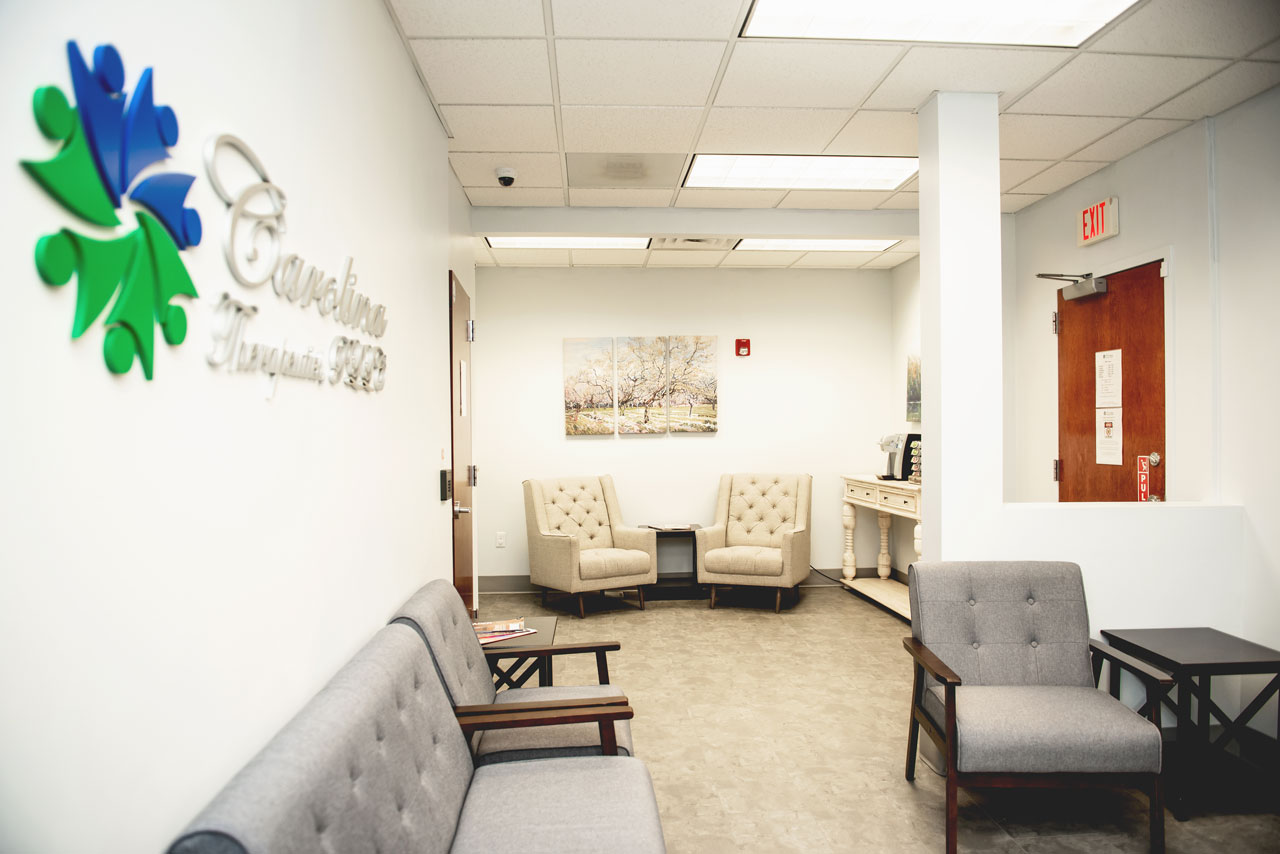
x=578 y=543
x=761 y=534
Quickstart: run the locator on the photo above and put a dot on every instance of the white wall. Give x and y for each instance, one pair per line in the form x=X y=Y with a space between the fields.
x=812 y=396
x=906 y=342
x=185 y=561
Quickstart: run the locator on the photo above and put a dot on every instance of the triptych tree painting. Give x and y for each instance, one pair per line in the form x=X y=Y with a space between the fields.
x=663 y=384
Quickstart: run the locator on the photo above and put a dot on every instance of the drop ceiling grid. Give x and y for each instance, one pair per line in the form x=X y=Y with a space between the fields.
x=691 y=84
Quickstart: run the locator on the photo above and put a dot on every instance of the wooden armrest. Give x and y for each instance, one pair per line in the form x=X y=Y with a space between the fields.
x=538 y=705
x=555 y=649
x=1136 y=666
x=547 y=717
x=930 y=662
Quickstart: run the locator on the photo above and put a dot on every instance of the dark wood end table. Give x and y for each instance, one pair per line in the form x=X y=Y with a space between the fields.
x=1192 y=657
x=676 y=585
x=514 y=672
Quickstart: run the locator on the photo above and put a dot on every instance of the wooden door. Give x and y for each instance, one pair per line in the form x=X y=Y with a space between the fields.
x=1129 y=317
x=460 y=401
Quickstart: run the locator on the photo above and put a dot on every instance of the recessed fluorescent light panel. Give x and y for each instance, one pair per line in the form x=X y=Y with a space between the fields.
x=1050 y=23
x=800 y=172
x=568 y=242
x=818 y=244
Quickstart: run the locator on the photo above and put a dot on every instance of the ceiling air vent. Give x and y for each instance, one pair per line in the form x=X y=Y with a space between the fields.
x=719 y=244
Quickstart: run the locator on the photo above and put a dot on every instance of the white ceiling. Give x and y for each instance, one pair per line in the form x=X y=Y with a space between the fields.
x=527 y=83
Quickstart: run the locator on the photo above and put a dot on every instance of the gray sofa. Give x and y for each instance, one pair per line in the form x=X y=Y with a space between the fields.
x=377 y=762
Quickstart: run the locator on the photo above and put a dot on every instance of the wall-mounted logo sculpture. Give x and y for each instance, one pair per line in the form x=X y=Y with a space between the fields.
x=252 y=244
x=108 y=139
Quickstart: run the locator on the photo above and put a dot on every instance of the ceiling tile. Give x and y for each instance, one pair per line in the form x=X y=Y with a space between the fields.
x=609 y=257
x=480 y=128
x=532 y=170
x=485 y=71
x=1128 y=139
x=1014 y=202
x=620 y=198
x=652 y=19
x=835 y=259
x=618 y=170
x=646 y=73
x=483 y=258
x=752 y=130
x=913 y=185
x=1014 y=172
x=760 y=259
x=961 y=69
x=1058 y=176
x=902 y=201
x=773 y=73
x=629 y=129
x=700 y=198
x=531 y=257
x=1050 y=137
x=877 y=132
x=1097 y=84
x=1271 y=52
x=911 y=244
x=1221 y=91
x=474 y=18
x=1229 y=28
x=886 y=260
x=839 y=200
x=684 y=258
x=520 y=197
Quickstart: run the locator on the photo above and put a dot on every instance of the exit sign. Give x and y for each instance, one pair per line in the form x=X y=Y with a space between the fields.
x=1098 y=222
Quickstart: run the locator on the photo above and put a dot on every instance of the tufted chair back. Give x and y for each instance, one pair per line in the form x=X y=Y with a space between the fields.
x=763 y=507
x=1004 y=622
x=386 y=767
x=579 y=507
x=437 y=614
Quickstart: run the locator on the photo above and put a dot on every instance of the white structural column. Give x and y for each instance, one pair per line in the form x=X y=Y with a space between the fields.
x=960 y=335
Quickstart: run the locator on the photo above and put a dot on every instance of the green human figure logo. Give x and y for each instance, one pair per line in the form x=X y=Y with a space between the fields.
x=108 y=139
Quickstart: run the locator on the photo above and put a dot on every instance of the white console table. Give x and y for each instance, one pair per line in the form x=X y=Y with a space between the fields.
x=888 y=498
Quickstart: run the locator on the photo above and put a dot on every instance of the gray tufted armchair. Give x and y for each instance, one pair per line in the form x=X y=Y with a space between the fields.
x=1005 y=685
x=578 y=543
x=761 y=534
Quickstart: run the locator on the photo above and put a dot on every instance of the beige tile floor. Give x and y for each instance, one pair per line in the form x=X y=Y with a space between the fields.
x=786 y=732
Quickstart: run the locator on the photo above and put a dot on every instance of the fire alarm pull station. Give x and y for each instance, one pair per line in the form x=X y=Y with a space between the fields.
x=742 y=346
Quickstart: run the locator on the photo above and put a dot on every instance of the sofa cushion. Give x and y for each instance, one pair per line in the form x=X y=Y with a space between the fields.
x=1047 y=728
x=575 y=506
x=1004 y=622
x=612 y=563
x=587 y=805
x=506 y=745
x=437 y=613
x=745 y=560
x=762 y=508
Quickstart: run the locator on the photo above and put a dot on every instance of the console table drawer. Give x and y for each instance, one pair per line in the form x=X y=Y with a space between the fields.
x=860 y=493
x=898 y=501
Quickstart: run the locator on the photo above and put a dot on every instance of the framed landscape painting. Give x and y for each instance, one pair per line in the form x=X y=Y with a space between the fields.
x=588 y=386
x=691 y=385
x=642 y=385
x=913 y=388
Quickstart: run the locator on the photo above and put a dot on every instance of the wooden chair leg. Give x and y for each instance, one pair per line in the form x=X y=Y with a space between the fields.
x=1156 y=796
x=713 y=597
x=640 y=593
x=777 y=601
x=582 y=608
x=913 y=739
x=953 y=811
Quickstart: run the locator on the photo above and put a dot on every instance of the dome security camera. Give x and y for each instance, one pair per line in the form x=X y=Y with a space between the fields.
x=506 y=175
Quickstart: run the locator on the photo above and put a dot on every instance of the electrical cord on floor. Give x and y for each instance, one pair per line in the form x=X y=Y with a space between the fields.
x=824 y=575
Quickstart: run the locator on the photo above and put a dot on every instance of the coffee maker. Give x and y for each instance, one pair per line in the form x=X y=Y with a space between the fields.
x=897 y=446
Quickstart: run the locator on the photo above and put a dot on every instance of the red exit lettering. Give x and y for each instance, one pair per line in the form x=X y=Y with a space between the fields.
x=1094 y=221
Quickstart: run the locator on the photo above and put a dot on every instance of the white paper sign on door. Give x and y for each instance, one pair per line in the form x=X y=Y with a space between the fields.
x=1107 y=379
x=1110 y=437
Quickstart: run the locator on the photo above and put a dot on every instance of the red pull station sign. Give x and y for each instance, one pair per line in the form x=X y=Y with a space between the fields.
x=742 y=346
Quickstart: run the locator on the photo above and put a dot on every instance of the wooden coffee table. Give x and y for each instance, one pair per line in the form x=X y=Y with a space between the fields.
x=1193 y=656
x=514 y=672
